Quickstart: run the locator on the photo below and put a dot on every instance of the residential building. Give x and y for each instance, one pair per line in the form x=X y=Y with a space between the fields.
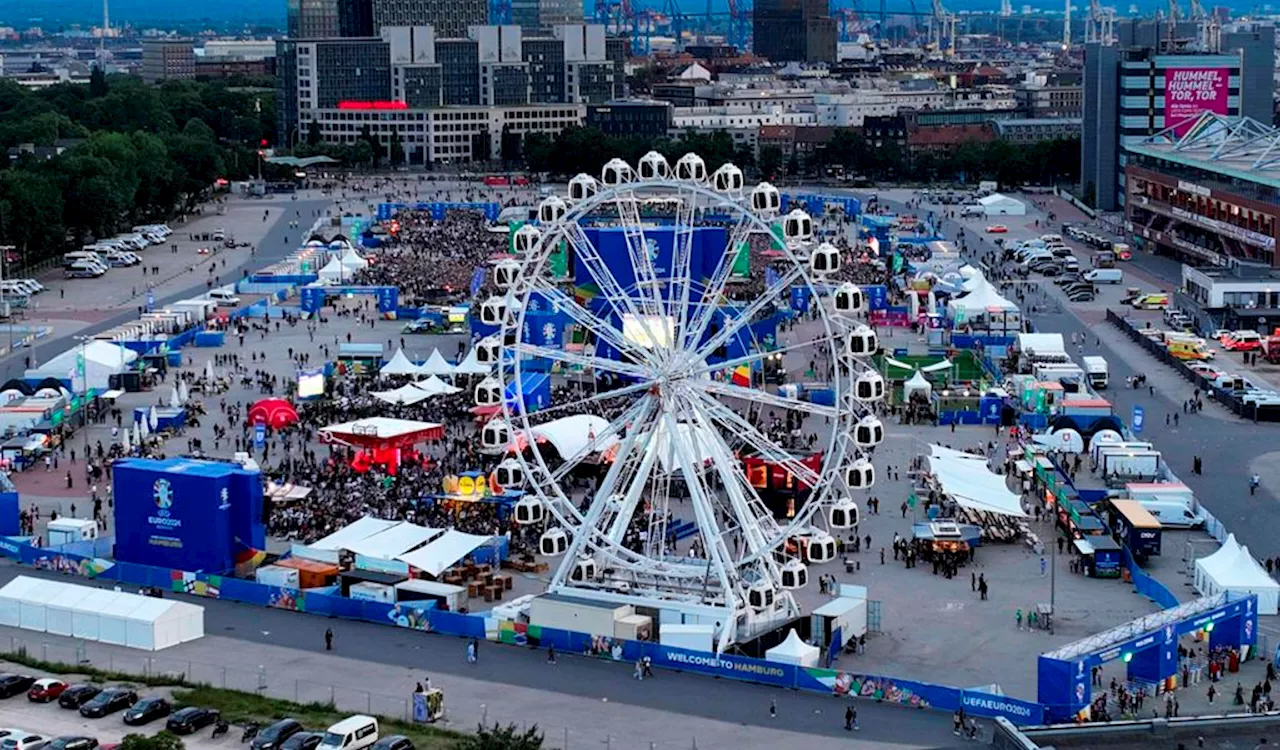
x=1034 y=130
x=168 y=59
x=1049 y=101
x=450 y=18
x=648 y=119
x=794 y=31
x=943 y=138
x=882 y=130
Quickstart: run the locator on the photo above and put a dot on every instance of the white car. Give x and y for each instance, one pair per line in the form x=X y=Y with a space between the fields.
x=24 y=741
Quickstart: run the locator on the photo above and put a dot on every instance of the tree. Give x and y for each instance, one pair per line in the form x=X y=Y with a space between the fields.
x=395 y=149
x=793 y=164
x=313 y=133
x=97 y=82
x=161 y=741
x=770 y=162
x=538 y=149
x=498 y=738
x=375 y=148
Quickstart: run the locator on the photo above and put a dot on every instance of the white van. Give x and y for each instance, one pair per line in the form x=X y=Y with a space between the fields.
x=84 y=269
x=1105 y=276
x=1172 y=514
x=225 y=297
x=352 y=733
x=1051 y=239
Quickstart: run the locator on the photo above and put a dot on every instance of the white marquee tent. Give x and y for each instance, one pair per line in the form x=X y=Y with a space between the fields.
x=998 y=204
x=116 y=617
x=971 y=484
x=352 y=261
x=399 y=364
x=917 y=383
x=434 y=386
x=471 y=365
x=440 y=554
x=397 y=540
x=408 y=395
x=352 y=532
x=102 y=359
x=794 y=651
x=1233 y=569
x=334 y=271
x=436 y=364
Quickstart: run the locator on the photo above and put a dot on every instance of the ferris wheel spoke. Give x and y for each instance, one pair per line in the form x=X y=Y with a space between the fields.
x=612 y=430
x=679 y=290
x=745 y=316
x=638 y=252
x=615 y=296
x=739 y=241
x=763 y=397
x=700 y=498
x=602 y=329
x=573 y=358
x=769 y=450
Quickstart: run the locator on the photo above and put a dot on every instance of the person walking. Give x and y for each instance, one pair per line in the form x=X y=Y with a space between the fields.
x=551 y=654
x=1254 y=481
x=472 y=656
x=773 y=708
x=328 y=639
x=849 y=717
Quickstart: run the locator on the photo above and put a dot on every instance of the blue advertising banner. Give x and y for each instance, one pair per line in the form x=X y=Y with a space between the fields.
x=1020 y=713
x=1139 y=418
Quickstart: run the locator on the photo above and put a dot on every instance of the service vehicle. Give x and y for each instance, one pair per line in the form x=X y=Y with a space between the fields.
x=1241 y=341
x=1157 y=301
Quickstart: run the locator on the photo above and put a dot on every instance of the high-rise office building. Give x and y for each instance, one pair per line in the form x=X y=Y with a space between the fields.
x=311 y=19
x=539 y=16
x=449 y=18
x=1127 y=93
x=355 y=18
x=794 y=31
x=168 y=59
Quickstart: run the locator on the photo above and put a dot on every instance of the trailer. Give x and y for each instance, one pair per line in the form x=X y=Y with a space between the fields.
x=1126 y=464
x=1135 y=527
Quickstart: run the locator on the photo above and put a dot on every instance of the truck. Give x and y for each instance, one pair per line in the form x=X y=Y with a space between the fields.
x=1096 y=369
x=1135 y=527
x=987 y=187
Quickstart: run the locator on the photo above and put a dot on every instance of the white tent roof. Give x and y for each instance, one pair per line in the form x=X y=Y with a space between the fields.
x=436 y=364
x=1233 y=569
x=573 y=433
x=442 y=553
x=380 y=428
x=1000 y=203
x=399 y=364
x=86 y=600
x=408 y=395
x=470 y=365
x=102 y=353
x=334 y=271
x=982 y=297
x=972 y=485
x=352 y=260
x=794 y=651
x=434 y=386
x=917 y=382
x=393 y=541
x=1041 y=343
x=353 y=532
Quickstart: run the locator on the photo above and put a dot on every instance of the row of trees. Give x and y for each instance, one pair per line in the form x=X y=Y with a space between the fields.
x=133 y=153
x=848 y=152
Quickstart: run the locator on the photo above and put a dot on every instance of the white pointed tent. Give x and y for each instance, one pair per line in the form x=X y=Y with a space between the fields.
x=794 y=651
x=471 y=365
x=334 y=271
x=1233 y=569
x=436 y=364
x=407 y=395
x=434 y=386
x=352 y=261
x=917 y=383
x=399 y=364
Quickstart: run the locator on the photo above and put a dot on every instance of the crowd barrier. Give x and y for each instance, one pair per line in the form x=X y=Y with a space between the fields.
x=1270 y=413
x=427 y=619
x=1145 y=584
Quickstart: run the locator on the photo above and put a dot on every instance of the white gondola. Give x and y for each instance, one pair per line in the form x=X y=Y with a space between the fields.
x=691 y=168
x=488 y=349
x=509 y=474
x=727 y=179
x=526 y=240
x=797 y=226
x=794 y=575
x=489 y=392
x=506 y=273
x=582 y=186
x=552 y=209
x=653 y=166
x=760 y=596
x=822 y=548
x=493 y=311
x=862 y=341
x=584 y=569
x=824 y=259
x=860 y=475
x=843 y=514
x=868 y=432
x=869 y=387
x=528 y=511
x=766 y=200
x=616 y=172
x=553 y=542
x=496 y=435
x=848 y=298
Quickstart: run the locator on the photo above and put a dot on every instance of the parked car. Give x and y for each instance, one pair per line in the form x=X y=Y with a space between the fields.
x=15 y=684
x=72 y=742
x=302 y=741
x=394 y=742
x=270 y=737
x=1241 y=341
x=997 y=229
x=191 y=719
x=46 y=690
x=76 y=696
x=147 y=710
x=108 y=702
x=24 y=741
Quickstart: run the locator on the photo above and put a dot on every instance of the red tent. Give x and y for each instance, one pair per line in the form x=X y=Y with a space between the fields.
x=275 y=413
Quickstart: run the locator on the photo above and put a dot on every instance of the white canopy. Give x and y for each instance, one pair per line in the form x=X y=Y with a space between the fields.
x=470 y=365
x=102 y=359
x=351 y=260
x=569 y=435
x=441 y=554
x=399 y=364
x=1233 y=569
x=998 y=204
x=794 y=651
x=434 y=386
x=917 y=383
x=982 y=297
x=408 y=394
x=93 y=614
x=353 y=532
x=334 y=271
x=393 y=541
x=1042 y=344
x=436 y=364
x=971 y=484
x=379 y=428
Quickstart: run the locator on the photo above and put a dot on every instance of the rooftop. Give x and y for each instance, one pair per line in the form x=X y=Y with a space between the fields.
x=1238 y=147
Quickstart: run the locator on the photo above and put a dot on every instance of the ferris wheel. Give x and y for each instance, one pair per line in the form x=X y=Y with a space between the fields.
x=675 y=521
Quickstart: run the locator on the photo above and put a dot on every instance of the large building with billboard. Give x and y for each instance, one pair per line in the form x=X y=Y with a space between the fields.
x=1206 y=191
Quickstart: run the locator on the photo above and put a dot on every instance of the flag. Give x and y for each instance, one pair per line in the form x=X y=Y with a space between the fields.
x=742 y=261
x=770 y=277
x=477 y=280
x=511 y=242
x=559 y=260
x=777 y=242
x=898 y=262
x=873 y=244
x=742 y=376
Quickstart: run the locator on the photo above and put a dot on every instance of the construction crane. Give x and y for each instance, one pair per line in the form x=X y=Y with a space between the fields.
x=1099 y=25
x=739 y=24
x=1210 y=28
x=942 y=29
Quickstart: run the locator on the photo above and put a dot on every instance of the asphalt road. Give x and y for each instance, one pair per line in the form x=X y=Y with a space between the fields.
x=272 y=248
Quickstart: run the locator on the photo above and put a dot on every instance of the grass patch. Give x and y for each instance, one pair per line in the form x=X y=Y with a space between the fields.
x=93 y=673
x=240 y=707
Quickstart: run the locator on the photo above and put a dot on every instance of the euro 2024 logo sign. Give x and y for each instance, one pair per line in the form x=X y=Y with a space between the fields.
x=162 y=491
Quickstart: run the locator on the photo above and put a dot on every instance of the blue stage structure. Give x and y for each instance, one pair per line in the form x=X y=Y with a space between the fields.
x=313 y=298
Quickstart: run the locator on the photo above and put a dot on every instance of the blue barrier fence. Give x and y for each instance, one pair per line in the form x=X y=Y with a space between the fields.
x=426 y=618
x=1145 y=584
